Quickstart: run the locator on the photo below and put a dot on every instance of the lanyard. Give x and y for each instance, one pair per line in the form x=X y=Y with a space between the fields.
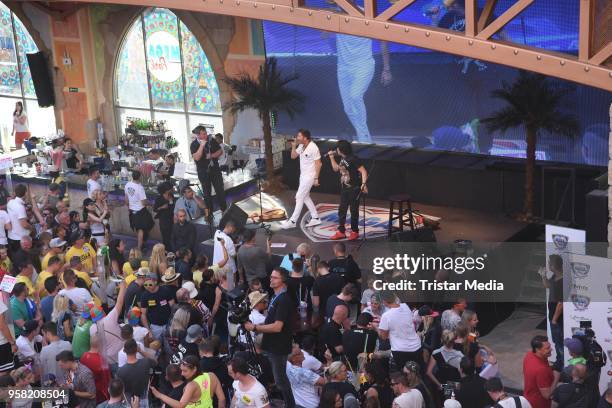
x=274 y=298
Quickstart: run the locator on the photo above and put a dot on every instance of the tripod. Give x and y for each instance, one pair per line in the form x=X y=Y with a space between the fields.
x=362 y=196
x=254 y=367
x=261 y=224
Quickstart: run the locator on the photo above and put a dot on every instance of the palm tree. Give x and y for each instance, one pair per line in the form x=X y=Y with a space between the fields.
x=266 y=94
x=535 y=103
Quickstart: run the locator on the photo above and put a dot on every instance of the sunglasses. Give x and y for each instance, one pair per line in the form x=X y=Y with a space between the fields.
x=149 y=284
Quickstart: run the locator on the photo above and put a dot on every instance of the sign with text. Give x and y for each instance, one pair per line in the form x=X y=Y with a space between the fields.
x=6 y=162
x=163 y=51
x=8 y=283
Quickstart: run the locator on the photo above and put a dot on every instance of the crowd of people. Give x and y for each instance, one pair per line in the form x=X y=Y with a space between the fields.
x=118 y=328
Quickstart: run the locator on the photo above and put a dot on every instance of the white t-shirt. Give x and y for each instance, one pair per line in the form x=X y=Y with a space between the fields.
x=509 y=403
x=136 y=194
x=4 y=219
x=256 y=318
x=399 y=321
x=122 y=357
x=230 y=266
x=20 y=127
x=3 y=310
x=303 y=382
x=92 y=185
x=410 y=399
x=140 y=333
x=25 y=347
x=79 y=296
x=256 y=396
x=310 y=362
x=308 y=156
x=17 y=211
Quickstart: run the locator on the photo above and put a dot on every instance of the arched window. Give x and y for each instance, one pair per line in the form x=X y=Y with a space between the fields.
x=162 y=73
x=15 y=79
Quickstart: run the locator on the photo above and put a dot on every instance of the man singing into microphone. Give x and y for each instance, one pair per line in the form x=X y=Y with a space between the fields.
x=310 y=166
x=353 y=179
x=206 y=151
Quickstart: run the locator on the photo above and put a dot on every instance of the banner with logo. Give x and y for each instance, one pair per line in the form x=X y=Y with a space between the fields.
x=590 y=302
x=561 y=241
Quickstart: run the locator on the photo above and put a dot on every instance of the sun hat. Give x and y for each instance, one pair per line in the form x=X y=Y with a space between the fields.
x=256 y=297
x=190 y=286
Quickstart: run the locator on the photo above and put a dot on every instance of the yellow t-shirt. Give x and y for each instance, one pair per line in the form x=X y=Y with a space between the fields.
x=28 y=283
x=40 y=283
x=87 y=255
x=45 y=261
x=128 y=272
x=83 y=275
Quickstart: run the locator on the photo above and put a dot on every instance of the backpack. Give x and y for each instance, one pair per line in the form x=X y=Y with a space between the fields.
x=445 y=372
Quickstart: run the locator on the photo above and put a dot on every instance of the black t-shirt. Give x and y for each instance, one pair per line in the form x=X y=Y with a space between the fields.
x=184 y=349
x=207 y=294
x=165 y=214
x=267 y=375
x=175 y=393
x=472 y=393
x=136 y=377
x=572 y=396
x=603 y=403
x=354 y=340
x=332 y=302
x=300 y=288
x=71 y=159
x=157 y=305
x=341 y=388
x=281 y=308
x=325 y=286
x=347 y=268
x=556 y=296
x=330 y=337
x=132 y=296
x=211 y=146
x=349 y=175
x=217 y=366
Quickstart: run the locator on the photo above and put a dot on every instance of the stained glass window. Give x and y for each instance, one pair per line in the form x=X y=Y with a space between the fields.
x=163 y=71
x=16 y=81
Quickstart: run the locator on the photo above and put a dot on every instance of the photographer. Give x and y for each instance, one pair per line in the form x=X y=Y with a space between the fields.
x=223 y=239
x=277 y=332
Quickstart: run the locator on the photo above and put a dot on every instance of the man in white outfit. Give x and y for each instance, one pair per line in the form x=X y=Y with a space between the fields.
x=310 y=166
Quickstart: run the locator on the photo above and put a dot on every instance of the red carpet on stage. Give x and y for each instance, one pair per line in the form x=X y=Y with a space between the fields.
x=376 y=222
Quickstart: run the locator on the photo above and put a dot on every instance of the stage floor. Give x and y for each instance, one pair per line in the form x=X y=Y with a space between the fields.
x=456 y=223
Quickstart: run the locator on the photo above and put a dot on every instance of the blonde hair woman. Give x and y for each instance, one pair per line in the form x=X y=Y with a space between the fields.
x=446 y=359
x=337 y=379
x=158 y=257
x=62 y=316
x=176 y=331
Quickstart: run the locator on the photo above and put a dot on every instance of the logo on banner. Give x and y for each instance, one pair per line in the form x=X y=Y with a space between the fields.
x=580 y=270
x=163 y=51
x=610 y=288
x=581 y=302
x=610 y=322
x=560 y=241
x=609 y=355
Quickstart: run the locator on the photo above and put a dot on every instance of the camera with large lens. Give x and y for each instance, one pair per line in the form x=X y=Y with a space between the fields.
x=238 y=307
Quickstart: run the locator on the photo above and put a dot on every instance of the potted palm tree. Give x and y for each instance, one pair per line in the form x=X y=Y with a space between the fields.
x=267 y=94
x=533 y=101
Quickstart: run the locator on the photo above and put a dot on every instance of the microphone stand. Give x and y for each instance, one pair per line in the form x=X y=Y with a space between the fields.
x=362 y=196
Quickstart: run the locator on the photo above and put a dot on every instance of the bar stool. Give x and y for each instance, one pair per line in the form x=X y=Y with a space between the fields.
x=404 y=207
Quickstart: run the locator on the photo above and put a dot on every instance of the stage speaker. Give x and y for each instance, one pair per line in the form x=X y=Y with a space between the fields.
x=235 y=214
x=425 y=234
x=43 y=85
x=596 y=217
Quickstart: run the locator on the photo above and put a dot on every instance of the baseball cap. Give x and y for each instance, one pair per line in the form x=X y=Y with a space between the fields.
x=151 y=276
x=573 y=345
x=56 y=243
x=142 y=272
x=190 y=286
x=194 y=332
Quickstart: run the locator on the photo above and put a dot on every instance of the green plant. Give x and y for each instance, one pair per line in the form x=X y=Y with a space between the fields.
x=535 y=102
x=266 y=94
x=171 y=143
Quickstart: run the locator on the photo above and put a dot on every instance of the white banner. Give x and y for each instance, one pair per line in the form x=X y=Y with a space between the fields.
x=590 y=280
x=561 y=241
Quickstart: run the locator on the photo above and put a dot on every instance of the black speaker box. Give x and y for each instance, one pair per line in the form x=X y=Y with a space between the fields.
x=424 y=234
x=596 y=216
x=235 y=214
x=43 y=85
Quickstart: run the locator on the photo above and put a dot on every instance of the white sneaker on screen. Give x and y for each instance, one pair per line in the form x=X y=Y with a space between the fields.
x=313 y=222
x=287 y=224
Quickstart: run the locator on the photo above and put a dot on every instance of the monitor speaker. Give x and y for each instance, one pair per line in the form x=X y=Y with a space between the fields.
x=425 y=234
x=43 y=85
x=235 y=214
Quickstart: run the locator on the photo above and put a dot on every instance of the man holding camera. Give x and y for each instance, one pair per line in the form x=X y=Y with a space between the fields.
x=277 y=332
x=206 y=151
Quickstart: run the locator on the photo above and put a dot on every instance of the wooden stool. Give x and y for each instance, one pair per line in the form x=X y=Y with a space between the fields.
x=404 y=207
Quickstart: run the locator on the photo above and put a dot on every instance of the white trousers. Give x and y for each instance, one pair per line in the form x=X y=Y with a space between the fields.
x=302 y=196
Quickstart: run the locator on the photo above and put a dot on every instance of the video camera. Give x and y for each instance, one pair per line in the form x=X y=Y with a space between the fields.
x=238 y=307
x=592 y=350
